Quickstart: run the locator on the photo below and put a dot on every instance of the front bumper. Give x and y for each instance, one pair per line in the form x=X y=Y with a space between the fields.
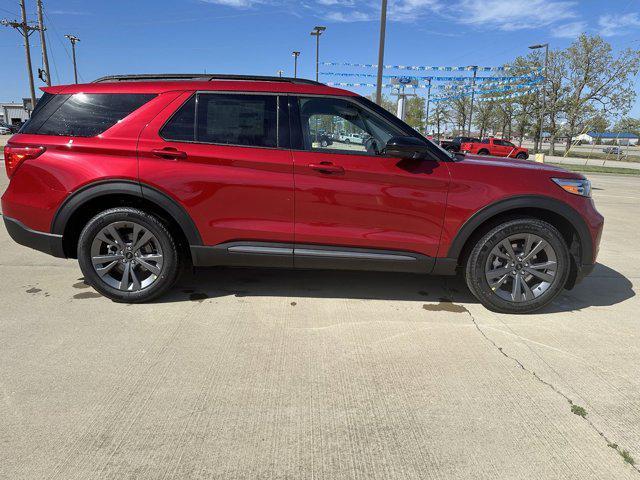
x=45 y=242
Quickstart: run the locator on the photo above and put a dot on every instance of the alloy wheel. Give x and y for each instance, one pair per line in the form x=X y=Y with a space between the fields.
x=127 y=256
x=521 y=267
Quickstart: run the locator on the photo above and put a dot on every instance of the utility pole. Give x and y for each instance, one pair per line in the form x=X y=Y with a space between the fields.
x=73 y=39
x=473 y=93
x=280 y=72
x=295 y=63
x=43 y=41
x=383 y=27
x=316 y=32
x=544 y=81
x=25 y=30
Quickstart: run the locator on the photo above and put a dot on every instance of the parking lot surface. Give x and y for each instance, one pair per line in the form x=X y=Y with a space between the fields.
x=252 y=373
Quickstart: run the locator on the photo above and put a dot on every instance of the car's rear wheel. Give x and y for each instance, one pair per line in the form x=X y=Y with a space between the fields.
x=483 y=152
x=522 y=156
x=518 y=266
x=128 y=255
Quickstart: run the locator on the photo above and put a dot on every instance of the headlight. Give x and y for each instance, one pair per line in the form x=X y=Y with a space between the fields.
x=575 y=186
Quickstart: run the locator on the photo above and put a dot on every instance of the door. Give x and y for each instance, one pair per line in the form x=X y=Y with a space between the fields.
x=351 y=194
x=226 y=159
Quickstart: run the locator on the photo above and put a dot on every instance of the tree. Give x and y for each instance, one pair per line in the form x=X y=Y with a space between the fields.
x=484 y=116
x=597 y=80
x=598 y=123
x=414 y=112
x=440 y=116
x=628 y=125
x=386 y=102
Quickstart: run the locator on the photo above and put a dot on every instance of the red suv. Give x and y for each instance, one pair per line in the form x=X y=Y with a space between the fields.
x=136 y=175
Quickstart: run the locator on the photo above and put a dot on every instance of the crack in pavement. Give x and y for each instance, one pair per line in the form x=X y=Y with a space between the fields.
x=610 y=444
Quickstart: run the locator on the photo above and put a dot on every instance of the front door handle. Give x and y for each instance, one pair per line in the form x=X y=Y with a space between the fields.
x=327 y=168
x=169 y=153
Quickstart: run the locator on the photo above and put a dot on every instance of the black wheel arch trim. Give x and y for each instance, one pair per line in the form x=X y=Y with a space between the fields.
x=525 y=201
x=128 y=187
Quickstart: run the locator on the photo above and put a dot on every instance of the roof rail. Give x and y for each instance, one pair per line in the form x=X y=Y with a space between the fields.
x=151 y=77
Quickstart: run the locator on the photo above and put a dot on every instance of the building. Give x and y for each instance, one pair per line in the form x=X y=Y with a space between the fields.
x=615 y=138
x=13 y=113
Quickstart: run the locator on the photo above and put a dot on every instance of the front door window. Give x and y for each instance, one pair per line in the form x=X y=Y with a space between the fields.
x=339 y=126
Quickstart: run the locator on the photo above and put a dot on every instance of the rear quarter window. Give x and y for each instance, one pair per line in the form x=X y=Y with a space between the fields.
x=82 y=114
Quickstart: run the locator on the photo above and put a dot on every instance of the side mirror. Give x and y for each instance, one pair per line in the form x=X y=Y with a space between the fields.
x=406 y=147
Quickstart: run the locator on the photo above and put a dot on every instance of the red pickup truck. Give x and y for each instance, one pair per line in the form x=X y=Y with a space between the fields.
x=495 y=147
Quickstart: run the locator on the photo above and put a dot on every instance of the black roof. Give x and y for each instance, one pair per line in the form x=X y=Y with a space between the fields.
x=204 y=77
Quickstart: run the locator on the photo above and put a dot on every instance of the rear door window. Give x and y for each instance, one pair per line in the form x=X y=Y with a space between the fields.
x=232 y=119
x=82 y=114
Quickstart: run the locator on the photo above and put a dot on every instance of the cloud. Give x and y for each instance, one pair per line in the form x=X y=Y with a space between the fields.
x=510 y=15
x=235 y=3
x=68 y=12
x=350 y=16
x=569 y=30
x=611 y=25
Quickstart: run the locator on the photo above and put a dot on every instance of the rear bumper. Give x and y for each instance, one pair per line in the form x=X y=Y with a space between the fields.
x=45 y=242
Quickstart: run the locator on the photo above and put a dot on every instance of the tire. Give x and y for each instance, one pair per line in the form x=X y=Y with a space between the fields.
x=149 y=266
x=485 y=265
x=483 y=152
x=324 y=143
x=522 y=156
x=346 y=140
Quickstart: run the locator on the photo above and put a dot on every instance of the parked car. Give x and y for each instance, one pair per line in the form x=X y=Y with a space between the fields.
x=322 y=139
x=613 y=150
x=6 y=128
x=453 y=145
x=120 y=175
x=352 y=138
x=495 y=147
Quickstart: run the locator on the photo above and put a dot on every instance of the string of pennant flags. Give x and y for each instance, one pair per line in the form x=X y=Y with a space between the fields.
x=486 y=88
x=479 y=90
x=505 y=79
x=529 y=81
x=490 y=98
x=419 y=67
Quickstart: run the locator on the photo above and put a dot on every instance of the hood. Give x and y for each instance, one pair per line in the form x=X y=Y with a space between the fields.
x=504 y=162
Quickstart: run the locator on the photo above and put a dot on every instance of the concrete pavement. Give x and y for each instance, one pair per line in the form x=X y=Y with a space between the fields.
x=252 y=373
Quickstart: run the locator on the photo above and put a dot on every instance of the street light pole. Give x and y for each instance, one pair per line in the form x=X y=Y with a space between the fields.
x=316 y=32
x=544 y=82
x=383 y=27
x=280 y=72
x=295 y=63
x=73 y=39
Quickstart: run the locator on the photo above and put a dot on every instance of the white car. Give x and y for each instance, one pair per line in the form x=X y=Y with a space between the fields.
x=4 y=130
x=352 y=138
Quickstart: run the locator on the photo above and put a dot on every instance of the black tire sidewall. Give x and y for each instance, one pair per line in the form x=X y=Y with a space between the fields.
x=170 y=265
x=475 y=268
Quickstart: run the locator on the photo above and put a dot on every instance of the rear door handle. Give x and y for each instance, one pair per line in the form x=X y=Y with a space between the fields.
x=169 y=153
x=327 y=168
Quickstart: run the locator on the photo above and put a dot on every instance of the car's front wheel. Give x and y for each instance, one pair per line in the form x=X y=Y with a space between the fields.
x=128 y=255
x=518 y=266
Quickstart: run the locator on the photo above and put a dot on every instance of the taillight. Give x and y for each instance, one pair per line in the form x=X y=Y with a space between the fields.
x=14 y=156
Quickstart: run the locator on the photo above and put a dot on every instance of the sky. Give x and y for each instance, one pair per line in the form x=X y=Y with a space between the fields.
x=258 y=36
